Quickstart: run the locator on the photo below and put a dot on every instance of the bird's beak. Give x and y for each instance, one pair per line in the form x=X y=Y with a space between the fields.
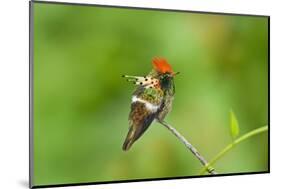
x=175 y=73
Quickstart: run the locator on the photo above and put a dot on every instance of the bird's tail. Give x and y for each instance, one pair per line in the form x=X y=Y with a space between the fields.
x=130 y=139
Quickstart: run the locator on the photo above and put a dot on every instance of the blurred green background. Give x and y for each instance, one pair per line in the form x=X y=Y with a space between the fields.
x=81 y=103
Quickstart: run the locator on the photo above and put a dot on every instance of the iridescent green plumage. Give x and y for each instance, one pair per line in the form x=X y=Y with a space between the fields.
x=168 y=98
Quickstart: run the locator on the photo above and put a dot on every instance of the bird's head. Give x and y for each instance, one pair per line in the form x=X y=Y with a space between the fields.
x=164 y=71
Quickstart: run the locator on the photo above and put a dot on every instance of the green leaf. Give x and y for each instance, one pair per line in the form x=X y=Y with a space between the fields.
x=234 y=126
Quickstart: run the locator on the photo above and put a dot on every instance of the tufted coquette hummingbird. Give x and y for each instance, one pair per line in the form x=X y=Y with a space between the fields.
x=151 y=100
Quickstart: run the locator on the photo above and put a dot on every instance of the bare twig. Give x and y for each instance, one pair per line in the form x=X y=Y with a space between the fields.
x=189 y=146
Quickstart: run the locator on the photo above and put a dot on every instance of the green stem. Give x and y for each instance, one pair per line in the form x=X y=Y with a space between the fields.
x=234 y=143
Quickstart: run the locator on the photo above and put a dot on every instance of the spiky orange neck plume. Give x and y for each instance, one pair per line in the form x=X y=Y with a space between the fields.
x=161 y=65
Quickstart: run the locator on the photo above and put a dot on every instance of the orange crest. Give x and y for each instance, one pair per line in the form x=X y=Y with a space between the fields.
x=161 y=65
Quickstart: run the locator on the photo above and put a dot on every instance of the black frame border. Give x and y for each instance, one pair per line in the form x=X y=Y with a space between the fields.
x=31 y=90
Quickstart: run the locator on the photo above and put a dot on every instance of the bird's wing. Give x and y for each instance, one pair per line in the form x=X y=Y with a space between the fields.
x=144 y=109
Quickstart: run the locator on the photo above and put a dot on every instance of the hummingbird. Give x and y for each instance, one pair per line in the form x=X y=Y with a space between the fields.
x=151 y=100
